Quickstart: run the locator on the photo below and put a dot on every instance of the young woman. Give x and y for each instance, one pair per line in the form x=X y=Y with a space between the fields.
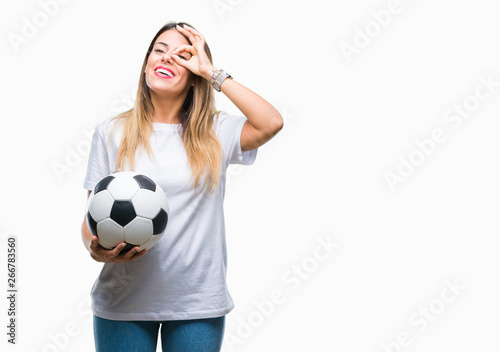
x=174 y=135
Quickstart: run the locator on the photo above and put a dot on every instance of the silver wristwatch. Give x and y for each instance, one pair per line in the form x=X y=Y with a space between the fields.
x=221 y=78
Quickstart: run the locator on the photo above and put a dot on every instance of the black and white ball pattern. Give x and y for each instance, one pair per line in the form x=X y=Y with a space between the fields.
x=127 y=206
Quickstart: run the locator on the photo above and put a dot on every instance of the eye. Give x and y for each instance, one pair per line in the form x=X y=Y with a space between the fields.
x=159 y=51
x=182 y=57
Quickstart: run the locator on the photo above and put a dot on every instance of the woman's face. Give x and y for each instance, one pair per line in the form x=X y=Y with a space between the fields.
x=163 y=75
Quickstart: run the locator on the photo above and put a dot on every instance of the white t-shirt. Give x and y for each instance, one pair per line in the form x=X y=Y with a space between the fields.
x=184 y=275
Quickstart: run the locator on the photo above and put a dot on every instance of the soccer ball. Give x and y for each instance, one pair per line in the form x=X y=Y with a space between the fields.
x=127 y=206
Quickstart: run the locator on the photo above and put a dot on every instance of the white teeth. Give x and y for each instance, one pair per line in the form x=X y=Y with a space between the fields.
x=165 y=72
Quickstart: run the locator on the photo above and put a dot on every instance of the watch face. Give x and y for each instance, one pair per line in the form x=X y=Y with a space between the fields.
x=220 y=78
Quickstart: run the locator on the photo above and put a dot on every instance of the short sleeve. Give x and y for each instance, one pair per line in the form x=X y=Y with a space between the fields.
x=97 y=167
x=229 y=129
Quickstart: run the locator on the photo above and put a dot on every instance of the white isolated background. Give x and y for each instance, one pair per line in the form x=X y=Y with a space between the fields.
x=322 y=178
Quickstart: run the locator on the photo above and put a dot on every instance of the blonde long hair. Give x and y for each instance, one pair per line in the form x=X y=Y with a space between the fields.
x=197 y=114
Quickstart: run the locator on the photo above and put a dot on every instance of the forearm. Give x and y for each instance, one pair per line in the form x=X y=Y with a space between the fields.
x=262 y=116
x=86 y=235
x=260 y=113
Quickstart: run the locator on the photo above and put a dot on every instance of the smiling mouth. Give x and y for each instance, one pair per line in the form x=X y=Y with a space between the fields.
x=164 y=73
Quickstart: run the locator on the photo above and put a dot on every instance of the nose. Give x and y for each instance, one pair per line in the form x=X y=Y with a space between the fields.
x=166 y=57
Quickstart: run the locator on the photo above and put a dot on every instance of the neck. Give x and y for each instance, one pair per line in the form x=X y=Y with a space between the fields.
x=166 y=108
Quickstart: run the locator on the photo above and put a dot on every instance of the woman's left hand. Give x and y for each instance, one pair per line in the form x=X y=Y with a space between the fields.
x=199 y=63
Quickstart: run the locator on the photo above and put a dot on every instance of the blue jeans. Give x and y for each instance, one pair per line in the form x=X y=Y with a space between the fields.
x=198 y=335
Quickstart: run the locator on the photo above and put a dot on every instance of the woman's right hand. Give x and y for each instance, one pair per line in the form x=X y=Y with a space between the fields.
x=101 y=254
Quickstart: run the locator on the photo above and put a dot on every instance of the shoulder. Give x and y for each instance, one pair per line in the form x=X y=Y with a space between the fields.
x=106 y=126
x=228 y=128
x=219 y=117
x=224 y=121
